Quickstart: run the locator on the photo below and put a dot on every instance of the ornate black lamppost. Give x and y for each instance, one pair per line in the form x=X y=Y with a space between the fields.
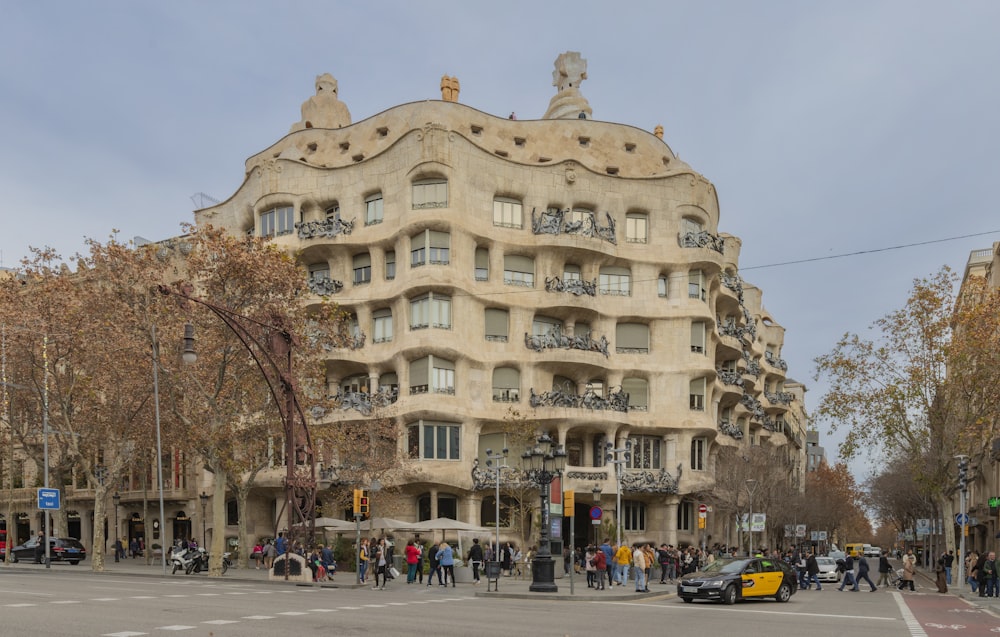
x=542 y=465
x=204 y=532
x=117 y=499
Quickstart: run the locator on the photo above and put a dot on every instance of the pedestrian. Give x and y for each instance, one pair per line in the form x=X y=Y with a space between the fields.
x=364 y=558
x=435 y=565
x=281 y=544
x=379 y=559
x=446 y=558
x=639 y=562
x=257 y=554
x=588 y=565
x=600 y=568
x=909 y=568
x=949 y=561
x=609 y=555
x=420 y=561
x=988 y=576
x=40 y=548
x=270 y=552
x=412 y=554
x=972 y=575
x=475 y=559
x=812 y=571
x=518 y=558
x=329 y=563
x=848 y=568
x=863 y=573
x=623 y=558
x=941 y=576
x=650 y=555
x=133 y=548
x=663 y=557
x=884 y=568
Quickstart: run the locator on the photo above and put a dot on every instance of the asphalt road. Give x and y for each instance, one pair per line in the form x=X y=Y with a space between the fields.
x=68 y=601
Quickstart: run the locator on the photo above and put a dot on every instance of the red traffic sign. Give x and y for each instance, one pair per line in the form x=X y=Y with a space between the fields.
x=702 y=508
x=596 y=513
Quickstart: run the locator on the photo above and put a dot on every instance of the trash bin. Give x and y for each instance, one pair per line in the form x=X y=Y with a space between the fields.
x=492 y=571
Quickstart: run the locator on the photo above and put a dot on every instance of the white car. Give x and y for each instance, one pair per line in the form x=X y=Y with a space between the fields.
x=873 y=551
x=827 y=570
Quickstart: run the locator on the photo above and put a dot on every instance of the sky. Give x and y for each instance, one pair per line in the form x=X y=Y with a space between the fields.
x=827 y=128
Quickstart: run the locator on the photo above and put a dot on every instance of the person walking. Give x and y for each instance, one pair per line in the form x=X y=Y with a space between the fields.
x=435 y=565
x=909 y=569
x=609 y=555
x=884 y=568
x=949 y=561
x=446 y=558
x=623 y=557
x=812 y=571
x=364 y=557
x=848 y=574
x=971 y=573
x=988 y=576
x=588 y=565
x=863 y=574
x=476 y=559
x=941 y=575
x=381 y=562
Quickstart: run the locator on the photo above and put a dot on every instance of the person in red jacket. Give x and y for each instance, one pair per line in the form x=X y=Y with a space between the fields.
x=412 y=557
x=601 y=566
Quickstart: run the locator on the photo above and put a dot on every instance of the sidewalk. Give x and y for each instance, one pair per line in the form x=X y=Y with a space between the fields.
x=991 y=604
x=509 y=587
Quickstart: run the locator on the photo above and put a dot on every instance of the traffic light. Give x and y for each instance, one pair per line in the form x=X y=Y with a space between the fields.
x=963 y=474
x=363 y=503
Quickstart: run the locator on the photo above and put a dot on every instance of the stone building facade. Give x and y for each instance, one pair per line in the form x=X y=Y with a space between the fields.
x=570 y=268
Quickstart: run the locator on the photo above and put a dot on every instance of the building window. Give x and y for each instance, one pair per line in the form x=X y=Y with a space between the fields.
x=429 y=246
x=388 y=382
x=615 y=281
x=691 y=225
x=698 y=337
x=430 y=310
x=571 y=272
x=645 y=452
x=637 y=390
x=434 y=440
x=544 y=325
x=362 y=269
x=277 y=222
x=373 y=209
x=519 y=270
x=390 y=265
x=685 y=516
x=382 y=325
x=632 y=338
x=698 y=454
x=482 y=264
x=696 y=285
x=697 y=394
x=319 y=272
x=634 y=516
x=662 y=288
x=432 y=374
x=506 y=385
x=636 y=227
x=497 y=321
x=582 y=215
x=430 y=193
x=507 y=213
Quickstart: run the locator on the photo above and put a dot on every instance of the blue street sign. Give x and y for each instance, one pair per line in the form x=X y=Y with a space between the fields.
x=961 y=519
x=48 y=499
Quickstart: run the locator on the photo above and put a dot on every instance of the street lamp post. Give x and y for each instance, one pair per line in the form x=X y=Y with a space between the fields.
x=963 y=486
x=618 y=457
x=204 y=532
x=159 y=445
x=542 y=466
x=751 y=486
x=493 y=461
x=114 y=547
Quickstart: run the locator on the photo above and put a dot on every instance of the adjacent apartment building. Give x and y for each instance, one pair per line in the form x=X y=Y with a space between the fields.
x=569 y=268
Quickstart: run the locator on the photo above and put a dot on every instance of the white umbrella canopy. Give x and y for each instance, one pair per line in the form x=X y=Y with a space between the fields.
x=447 y=524
x=333 y=524
x=387 y=524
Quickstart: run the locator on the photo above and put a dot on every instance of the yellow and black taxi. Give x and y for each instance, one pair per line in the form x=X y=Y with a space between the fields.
x=729 y=580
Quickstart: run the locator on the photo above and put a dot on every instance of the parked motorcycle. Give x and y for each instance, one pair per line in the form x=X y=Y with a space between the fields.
x=227 y=561
x=199 y=561
x=182 y=559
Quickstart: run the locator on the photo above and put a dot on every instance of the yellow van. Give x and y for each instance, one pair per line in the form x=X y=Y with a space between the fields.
x=855 y=550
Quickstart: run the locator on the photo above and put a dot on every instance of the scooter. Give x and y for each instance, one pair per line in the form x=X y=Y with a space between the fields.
x=199 y=561
x=182 y=559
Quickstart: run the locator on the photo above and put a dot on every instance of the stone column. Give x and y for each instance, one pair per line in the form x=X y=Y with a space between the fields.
x=434 y=504
x=672 y=502
x=474 y=506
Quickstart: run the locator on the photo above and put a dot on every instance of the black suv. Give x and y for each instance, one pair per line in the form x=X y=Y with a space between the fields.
x=61 y=549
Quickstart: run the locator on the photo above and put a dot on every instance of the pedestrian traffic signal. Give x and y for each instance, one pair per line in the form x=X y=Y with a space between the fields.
x=363 y=503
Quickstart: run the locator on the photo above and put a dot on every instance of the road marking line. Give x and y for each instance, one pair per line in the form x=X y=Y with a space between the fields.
x=259 y=617
x=207 y=594
x=23 y=605
x=65 y=601
x=142 y=597
x=221 y=621
x=349 y=608
x=374 y=605
x=126 y=633
x=106 y=599
x=322 y=610
x=291 y=613
x=689 y=607
x=176 y=595
x=911 y=621
x=176 y=627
